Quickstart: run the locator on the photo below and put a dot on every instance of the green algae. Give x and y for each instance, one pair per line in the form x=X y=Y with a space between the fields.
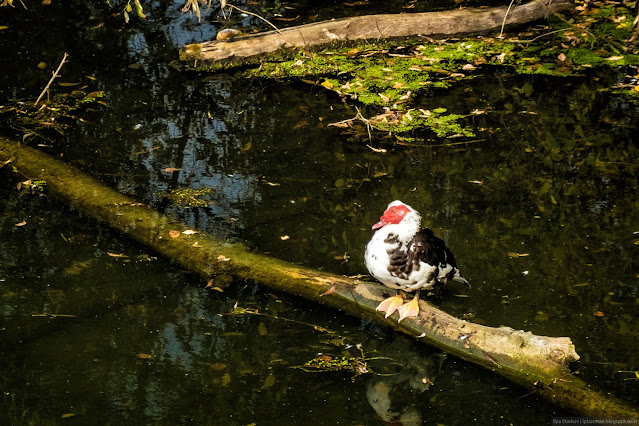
x=188 y=197
x=393 y=75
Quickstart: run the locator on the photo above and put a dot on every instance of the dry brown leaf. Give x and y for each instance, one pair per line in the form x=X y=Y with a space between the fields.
x=222 y=258
x=174 y=234
x=382 y=150
x=144 y=356
x=190 y=232
x=117 y=256
x=284 y=237
x=24 y=222
x=171 y=169
x=331 y=290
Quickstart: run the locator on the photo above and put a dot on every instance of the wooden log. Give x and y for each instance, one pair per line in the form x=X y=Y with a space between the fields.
x=250 y=48
x=539 y=363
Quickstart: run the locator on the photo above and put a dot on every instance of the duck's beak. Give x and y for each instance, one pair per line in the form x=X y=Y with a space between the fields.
x=382 y=222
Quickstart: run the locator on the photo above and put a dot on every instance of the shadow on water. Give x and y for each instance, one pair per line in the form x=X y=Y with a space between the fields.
x=540 y=210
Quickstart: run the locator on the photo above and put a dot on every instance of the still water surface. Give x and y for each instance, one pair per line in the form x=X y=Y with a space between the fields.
x=540 y=210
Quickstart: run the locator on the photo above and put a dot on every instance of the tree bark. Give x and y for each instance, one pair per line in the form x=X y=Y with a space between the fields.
x=539 y=363
x=250 y=48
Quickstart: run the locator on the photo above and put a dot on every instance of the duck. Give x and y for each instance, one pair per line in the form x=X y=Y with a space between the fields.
x=408 y=258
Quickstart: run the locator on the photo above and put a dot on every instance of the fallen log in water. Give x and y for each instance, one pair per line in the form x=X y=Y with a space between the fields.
x=250 y=48
x=539 y=363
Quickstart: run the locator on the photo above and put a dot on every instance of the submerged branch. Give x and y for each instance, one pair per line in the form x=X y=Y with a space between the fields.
x=538 y=363
x=53 y=77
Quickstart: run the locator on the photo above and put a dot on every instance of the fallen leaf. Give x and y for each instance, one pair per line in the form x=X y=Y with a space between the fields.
x=598 y=314
x=117 y=256
x=614 y=58
x=261 y=329
x=382 y=150
x=270 y=381
x=171 y=169
x=331 y=290
x=222 y=258
x=190 y=232
x=67 y=415
x=561 y=57
x=404 y=97
x=144 y=356
x=196 y=245
x=174 y=234
x=24 y=222
x=516 y=255
x=327 y=84
x=384 y=97
x=284 y=237
x=217 y=366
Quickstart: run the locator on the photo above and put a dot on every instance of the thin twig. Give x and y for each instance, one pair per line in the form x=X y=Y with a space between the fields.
x=257 y=16
x=55 y=74
x=503 y=23
x=538 y=37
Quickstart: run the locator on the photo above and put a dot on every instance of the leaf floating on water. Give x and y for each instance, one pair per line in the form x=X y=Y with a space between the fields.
x=144 y=356
x=117 y=255
x=327 y=84
x=217 y=366
x=382 y=150
x=171 y=169
x=226 y=379
x=261 y=329
x=174 y=234
x=270 y=381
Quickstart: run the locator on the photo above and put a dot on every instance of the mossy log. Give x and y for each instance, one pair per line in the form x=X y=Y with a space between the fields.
x=250 y=48
x=539 y=363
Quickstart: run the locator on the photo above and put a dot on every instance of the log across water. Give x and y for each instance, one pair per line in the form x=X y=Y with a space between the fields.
x=539 y=363
x=251 y=48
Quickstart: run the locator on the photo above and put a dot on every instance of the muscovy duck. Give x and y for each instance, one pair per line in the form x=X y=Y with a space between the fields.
x=404 y=256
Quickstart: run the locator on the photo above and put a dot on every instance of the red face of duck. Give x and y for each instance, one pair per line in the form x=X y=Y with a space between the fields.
x=392 y=215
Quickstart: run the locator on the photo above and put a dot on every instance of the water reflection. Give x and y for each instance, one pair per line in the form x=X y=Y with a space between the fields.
x=541 y=213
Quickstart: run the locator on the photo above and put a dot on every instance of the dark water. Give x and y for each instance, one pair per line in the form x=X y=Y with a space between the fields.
x=552 y=175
